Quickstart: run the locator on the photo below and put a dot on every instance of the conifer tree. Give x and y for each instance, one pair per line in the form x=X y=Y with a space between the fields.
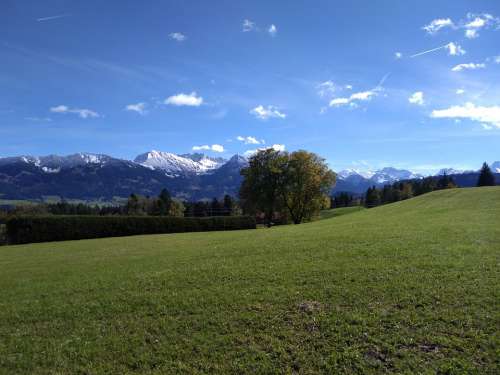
x=486 y=177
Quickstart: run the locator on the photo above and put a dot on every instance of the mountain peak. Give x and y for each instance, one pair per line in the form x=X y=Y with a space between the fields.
x=495 y=167
x=177 y=165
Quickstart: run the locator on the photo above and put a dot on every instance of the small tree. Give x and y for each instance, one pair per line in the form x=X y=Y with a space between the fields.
x=228 y=205
x=176 y=208
x=486 y=177
x=164 y=203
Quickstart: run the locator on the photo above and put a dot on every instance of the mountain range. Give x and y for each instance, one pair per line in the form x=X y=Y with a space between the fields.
x=187 y=176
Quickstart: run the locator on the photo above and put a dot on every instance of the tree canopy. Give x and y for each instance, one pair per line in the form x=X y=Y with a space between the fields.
x=276 y=181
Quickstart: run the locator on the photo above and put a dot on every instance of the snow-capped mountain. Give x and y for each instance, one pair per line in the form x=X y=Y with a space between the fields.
x=188 y=176
x=389 y=175
x=381 y=176
x=54 y=163
x=356 y=181
x=343 y=174
x=178 y=165
x=450 y=171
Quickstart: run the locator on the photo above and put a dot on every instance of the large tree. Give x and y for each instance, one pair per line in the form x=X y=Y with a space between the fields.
x=486 y=177
x=260 y=189
x=306 y=182
x=276 y=181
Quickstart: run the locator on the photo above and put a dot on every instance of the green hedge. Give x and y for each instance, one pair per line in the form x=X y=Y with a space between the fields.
x=27 y=229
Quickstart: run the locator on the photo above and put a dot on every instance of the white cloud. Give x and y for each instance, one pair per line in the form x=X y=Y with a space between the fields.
x=348 y=87
x=398 y=55
x=497 y=59
x=265 y=113
x=249 y=140
x=248 y=26
x=218 y=148
x=460 y=91
x=214 y=148
x=471 y=34
x=272 y=30
x=326 y=88
x=275 y=147
x=179 y=37
x=190 y=100
x=417 y=98
x=140 y=108
x=438 y=24
x=469 y=66
x=472 y=24
x=358 y=96
x=364 y=95
x=476 y=22
x=83 y=113
x=488 y=116
x=455 y=49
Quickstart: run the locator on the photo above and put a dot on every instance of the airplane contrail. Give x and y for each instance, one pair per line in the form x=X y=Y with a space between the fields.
x=384 y=78
x=52 y=17
x=429 y=51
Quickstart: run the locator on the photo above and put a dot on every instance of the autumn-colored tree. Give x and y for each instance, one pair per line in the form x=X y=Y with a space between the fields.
x=306 y=182
x=297 y=182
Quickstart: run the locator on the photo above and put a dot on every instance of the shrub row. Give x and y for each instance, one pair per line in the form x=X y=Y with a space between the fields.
x=3 y=234
x=27 y=229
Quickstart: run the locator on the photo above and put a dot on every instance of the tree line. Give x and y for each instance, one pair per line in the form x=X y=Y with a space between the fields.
x=407 y=189
x=136 y=205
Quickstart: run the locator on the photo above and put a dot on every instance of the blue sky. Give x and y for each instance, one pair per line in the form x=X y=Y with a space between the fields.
x=334 y=77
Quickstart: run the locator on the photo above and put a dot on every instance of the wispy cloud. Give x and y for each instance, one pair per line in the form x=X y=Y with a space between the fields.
x=179 y=37
x=488 y=116
x=468 y=66
x=438 y=24
x=417 y=98
x=38 y=119
x=476 y=22
x=326 y=89
x=275 y=147
x=455 y=49
x=471 y=25
x=460 y=91
x=250 y=140
x=214 y=148
x=140 y=108
x=83 y=113
x=264 y=113
x=359 y=96
x=49 y=18
x=398 y=55
x=272 y=30
x=190 y=100
x=248 y=26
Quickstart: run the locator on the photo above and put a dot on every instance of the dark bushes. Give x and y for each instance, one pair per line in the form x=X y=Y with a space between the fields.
x=60 y=228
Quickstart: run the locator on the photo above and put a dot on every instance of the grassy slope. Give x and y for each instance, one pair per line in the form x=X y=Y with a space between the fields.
x=328 y=214
x=408 y=287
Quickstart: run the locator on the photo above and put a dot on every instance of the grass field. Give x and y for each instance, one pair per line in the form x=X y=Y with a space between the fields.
x=328 y=214
x=411 y=287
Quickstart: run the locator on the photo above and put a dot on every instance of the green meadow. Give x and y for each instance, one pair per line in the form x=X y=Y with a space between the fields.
x=410 y=287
